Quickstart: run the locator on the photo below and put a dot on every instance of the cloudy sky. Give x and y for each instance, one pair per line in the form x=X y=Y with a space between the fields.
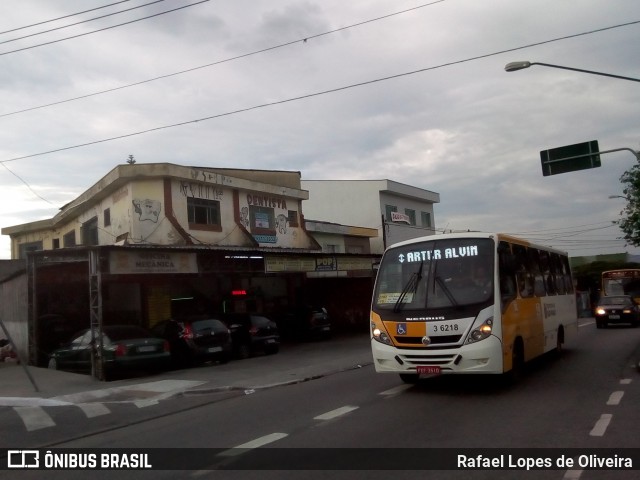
x=406 y=90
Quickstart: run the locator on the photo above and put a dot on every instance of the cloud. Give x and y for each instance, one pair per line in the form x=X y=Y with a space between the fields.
x=463 y=128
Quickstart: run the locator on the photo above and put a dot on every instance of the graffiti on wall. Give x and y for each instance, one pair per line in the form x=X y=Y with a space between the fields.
x=281 y=223
x=147 y=210
x=201 y=190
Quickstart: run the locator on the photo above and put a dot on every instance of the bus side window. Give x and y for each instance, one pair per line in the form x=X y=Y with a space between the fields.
x=523 y=275
x=506 y=273
x=539 y=288
x=568 y=280
x=559 y=276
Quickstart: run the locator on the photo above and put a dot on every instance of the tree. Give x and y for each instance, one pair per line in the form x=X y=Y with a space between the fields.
x=630 y=222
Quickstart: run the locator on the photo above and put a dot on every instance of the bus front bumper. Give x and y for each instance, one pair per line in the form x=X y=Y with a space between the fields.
x=484 y=357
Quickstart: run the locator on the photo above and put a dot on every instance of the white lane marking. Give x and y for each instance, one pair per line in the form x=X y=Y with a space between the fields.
x=162 y=388
x=614 y=398
x=146 y=402
x=572 y=475
x=93 y=409
x=395 y=390
x=258 y=442
x=336 y=413
x=34 y=418
x=601 y=425
x=625 y=381
x=31 y=402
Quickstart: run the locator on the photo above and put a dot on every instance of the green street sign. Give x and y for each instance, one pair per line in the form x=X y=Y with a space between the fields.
x=570 y=158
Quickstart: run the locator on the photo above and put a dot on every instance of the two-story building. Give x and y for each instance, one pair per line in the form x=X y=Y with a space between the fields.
x=148 y=241
x=397 y=211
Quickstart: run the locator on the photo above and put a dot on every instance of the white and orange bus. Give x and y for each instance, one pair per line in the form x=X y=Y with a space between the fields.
x=477 y=303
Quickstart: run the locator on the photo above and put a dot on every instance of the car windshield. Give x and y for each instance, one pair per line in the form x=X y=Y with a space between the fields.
x=260 y=321
x=208 y=325
x=436 y=274
x=616 y=301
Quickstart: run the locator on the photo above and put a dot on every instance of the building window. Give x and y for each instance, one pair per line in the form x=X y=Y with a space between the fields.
x=107 y=217
x=411 y=214
x=56 y=243
x=261 y=218
x=293 y=218
x=203 y=214
x=426 y=219
x=90 y=232
x=388 y=209
x=69 y=239
x=25 y=248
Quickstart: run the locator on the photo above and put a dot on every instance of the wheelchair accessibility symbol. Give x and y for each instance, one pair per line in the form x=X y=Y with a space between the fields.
x=401 y=328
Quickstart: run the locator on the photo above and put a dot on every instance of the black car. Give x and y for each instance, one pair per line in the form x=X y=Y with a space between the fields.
x=617 y=309
x=251 y=333
x=196 y=339
x=125 y=348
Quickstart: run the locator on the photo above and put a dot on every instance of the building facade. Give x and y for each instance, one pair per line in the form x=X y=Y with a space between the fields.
x=397 y=211
x=151 y=241
x=166 y=204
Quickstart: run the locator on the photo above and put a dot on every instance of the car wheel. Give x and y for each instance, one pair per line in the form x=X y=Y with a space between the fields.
x=598 y=324
x=53 y=364
x=410 y=378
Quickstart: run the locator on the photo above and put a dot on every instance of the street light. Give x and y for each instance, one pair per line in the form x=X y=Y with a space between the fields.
x=515 y=66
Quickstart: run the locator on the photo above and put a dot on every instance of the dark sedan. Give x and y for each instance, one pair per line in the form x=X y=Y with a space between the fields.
x=617 y=309
x=126 y=348
x=196 y=339
x=251 y=333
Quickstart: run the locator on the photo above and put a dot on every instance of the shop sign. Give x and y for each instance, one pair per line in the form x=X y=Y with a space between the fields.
x=152 y=262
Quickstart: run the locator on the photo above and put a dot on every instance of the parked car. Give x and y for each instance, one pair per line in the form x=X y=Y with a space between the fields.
x=617 y=309
x=251 y=333
x=125 y=348
x=196 y=339
x=306 y=323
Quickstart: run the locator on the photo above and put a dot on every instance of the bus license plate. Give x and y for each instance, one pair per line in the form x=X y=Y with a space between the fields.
x=428 y=370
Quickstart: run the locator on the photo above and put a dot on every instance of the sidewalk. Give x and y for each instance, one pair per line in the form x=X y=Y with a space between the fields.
x=296 y=362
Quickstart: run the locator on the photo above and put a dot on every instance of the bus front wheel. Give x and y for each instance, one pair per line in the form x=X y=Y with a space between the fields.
x=517 y=363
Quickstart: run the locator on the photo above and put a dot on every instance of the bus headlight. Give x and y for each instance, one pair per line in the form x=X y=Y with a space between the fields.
x=379 y=335
x=481 y=332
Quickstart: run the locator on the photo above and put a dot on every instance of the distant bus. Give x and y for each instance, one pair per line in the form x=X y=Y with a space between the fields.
x=624 y=281
x=476 y=303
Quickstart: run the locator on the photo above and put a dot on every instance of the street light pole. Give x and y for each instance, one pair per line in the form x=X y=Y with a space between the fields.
x=515 y=66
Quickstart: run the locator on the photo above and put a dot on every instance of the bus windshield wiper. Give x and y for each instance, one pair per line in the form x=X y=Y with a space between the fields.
x=446 y=290
x=411 y=286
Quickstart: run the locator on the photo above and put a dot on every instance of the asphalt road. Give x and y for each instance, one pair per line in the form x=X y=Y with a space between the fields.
x=586 y=398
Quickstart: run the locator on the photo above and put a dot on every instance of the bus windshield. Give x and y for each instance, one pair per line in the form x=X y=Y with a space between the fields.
x=621 y=282
x=436 y=274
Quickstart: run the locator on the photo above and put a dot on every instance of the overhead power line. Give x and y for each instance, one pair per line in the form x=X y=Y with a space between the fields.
x=218 y=62
x=79 y=23
x=103 y=29
x=314 y=94
x=62 y=18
